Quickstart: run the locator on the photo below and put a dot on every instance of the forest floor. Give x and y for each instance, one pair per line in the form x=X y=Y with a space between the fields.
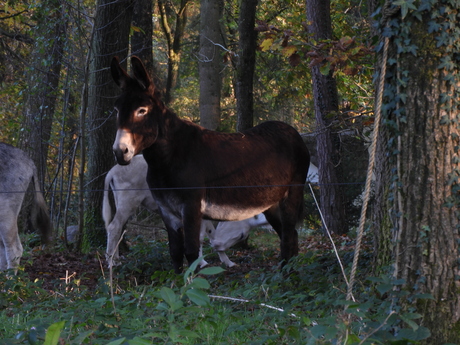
x=62 y=266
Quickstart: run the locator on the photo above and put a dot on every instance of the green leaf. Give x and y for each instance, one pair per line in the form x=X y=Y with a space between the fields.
x=81 y=337
x=424 y=296
x=168 y=295
x=353 y=339
x=384 y=288
x=211 y=270
x=117 y=342
x=411 y=324
x=171 y=298
x=198 y=297
x=192 y=268
x=139 y=341
x=319 y=330
x=53 y=333
x=406 y=5
x=325 y=69
x=187 y=334
x=33 y=337
x=419 y=334
x=200 y=283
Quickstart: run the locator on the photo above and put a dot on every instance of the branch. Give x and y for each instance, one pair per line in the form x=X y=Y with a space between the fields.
x=17 y=37
x=13 y=15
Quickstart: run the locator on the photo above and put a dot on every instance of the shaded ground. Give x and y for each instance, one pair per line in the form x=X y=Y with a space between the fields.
x=64 y=267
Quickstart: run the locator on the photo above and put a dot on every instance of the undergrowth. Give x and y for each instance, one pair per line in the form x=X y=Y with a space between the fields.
x=302 y=304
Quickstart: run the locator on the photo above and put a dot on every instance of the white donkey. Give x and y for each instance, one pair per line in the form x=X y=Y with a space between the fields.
x=16 y=172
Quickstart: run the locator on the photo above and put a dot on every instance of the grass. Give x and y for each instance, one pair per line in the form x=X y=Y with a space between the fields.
x=257 y=304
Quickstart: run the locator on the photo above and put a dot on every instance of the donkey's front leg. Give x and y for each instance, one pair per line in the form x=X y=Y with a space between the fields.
x=192 y=229
x=176 y=247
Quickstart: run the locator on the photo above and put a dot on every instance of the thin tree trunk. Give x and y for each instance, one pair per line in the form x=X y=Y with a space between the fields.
x=174 y=40
x=210 y=64
x=326 y=104
x=111 y=37
x=141 y=40
x=43 y=91
x=244 y=86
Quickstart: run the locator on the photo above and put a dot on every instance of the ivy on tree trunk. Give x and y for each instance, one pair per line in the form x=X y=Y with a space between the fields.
x=417 y=219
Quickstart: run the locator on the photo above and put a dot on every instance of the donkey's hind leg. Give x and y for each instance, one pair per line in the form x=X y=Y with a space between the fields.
x=10 y=247
x=3 y=261
x=114 y=231
x=291 y=212
x=273 y=217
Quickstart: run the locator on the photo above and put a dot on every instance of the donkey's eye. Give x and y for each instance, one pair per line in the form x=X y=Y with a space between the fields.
x=142 y=111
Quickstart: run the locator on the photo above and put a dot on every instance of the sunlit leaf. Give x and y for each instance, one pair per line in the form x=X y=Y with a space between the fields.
x=53 y=333
x=289 y=50
x=266 y=44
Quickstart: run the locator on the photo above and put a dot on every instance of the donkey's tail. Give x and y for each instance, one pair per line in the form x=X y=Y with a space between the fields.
x=106 y=208
x=39 y=214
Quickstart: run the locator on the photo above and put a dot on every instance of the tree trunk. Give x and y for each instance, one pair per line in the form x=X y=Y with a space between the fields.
x=141 y=40
x=419 y=209
x=326 y=104
x=43 y=89
x=112 y=25
x=210 y=63
x=174 y=40
x=244 y=86
x=42 y=93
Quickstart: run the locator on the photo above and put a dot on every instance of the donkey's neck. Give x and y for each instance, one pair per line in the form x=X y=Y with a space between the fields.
x=174 y=138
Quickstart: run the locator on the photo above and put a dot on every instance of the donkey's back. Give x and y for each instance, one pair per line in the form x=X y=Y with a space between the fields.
x=17 y=170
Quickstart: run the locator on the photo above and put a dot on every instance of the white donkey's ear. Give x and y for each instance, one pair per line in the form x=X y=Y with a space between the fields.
x=119 y=75
x=140 y=73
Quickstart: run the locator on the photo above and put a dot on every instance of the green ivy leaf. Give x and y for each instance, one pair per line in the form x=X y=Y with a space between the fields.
x=406 y=5
x=384 y=288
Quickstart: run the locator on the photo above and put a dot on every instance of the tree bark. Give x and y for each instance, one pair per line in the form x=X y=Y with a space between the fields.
x=174 y=40
x=42 y=94
x=111 y=37
x=43 y=86
x=326 y=104
x=141 y=39
x=210 y=63
x=244 y=86
x=417 y=217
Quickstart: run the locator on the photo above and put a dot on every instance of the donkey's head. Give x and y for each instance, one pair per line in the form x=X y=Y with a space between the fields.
x=138 y=110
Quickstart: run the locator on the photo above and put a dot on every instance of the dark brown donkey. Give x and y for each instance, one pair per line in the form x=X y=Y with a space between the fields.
x=196 y=173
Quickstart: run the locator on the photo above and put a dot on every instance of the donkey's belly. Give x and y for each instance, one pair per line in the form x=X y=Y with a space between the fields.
x=229 y=212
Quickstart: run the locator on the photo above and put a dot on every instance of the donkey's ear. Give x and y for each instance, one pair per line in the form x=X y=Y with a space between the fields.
x=140 y=73
x=119 y=75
